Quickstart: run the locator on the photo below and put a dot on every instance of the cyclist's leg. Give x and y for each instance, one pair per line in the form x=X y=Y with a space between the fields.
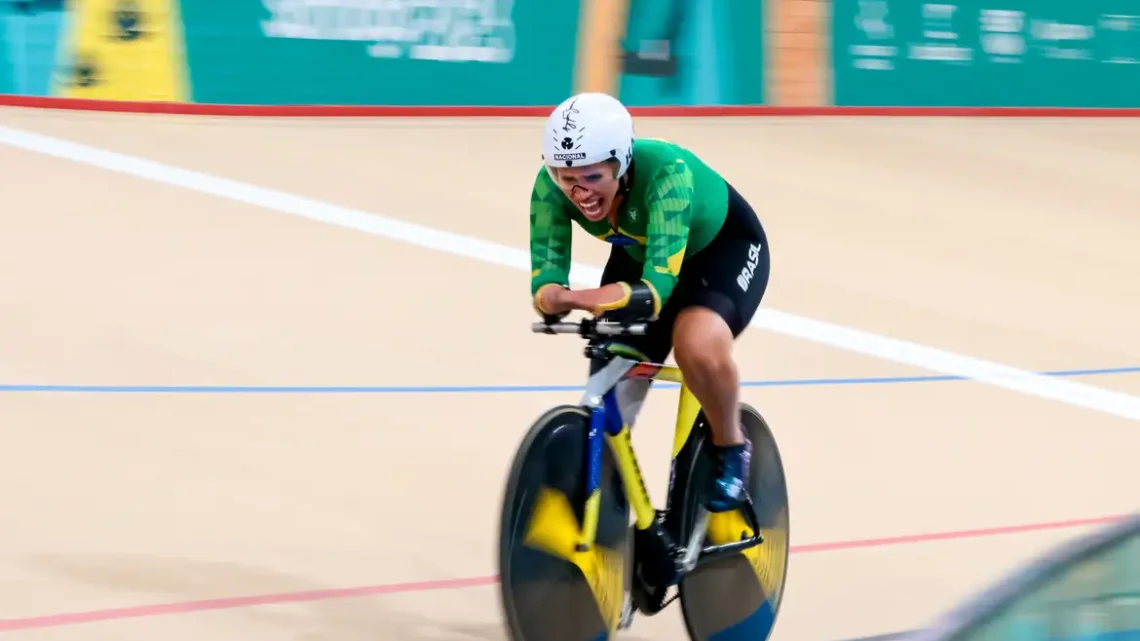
x=727 y=282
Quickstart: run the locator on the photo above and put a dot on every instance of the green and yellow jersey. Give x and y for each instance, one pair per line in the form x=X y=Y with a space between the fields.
x=676 y=204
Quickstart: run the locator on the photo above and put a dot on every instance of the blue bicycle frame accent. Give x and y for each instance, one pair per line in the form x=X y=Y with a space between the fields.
x=614 y=421
x=605 y=419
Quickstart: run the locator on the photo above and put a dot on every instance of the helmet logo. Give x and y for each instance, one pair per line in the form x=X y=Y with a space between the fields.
x=568 y=114
x=569 y=144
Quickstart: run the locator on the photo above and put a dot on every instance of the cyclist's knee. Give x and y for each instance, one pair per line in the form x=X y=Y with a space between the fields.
x=703 y=343
x=701 y=328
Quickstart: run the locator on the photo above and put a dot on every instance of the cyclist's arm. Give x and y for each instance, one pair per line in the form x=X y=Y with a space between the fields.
x=551 y=232
x=550 y=236
x=670 y=203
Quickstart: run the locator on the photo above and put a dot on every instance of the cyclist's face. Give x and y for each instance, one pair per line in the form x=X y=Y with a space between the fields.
x=592 y=188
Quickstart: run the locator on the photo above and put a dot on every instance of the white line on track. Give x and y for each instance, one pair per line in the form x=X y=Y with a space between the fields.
x=837 y=336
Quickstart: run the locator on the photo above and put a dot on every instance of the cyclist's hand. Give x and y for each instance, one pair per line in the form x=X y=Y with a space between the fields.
x=637 y=304
x=552 y=303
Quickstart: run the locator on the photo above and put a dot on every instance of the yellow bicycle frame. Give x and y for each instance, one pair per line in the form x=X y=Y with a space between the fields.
x=621 y=445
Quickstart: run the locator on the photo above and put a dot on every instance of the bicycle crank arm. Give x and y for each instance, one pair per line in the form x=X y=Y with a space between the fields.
x=688 y=561
x=695 y=555
x=728 y=549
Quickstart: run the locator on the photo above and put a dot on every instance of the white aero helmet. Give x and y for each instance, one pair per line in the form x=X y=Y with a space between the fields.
x=586 y=129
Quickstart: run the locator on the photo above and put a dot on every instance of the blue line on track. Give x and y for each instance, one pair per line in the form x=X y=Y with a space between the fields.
x=492 y=389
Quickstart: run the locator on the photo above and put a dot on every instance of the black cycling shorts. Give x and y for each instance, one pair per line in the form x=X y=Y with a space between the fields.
x=729 y=276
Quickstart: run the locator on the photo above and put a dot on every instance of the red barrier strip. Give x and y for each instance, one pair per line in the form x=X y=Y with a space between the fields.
x=391 y=111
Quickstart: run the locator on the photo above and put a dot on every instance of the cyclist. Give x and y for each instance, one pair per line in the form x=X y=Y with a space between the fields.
x=689 y=253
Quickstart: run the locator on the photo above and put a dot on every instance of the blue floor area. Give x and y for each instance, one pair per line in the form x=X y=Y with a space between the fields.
x=495 y=389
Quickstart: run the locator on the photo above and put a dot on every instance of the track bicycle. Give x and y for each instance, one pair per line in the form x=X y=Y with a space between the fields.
x=572 y=567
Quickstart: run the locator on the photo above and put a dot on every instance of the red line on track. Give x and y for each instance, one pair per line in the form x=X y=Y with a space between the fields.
x=226 y=603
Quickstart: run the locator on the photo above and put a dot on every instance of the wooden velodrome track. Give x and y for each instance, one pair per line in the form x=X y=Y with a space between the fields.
x=181 y=493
